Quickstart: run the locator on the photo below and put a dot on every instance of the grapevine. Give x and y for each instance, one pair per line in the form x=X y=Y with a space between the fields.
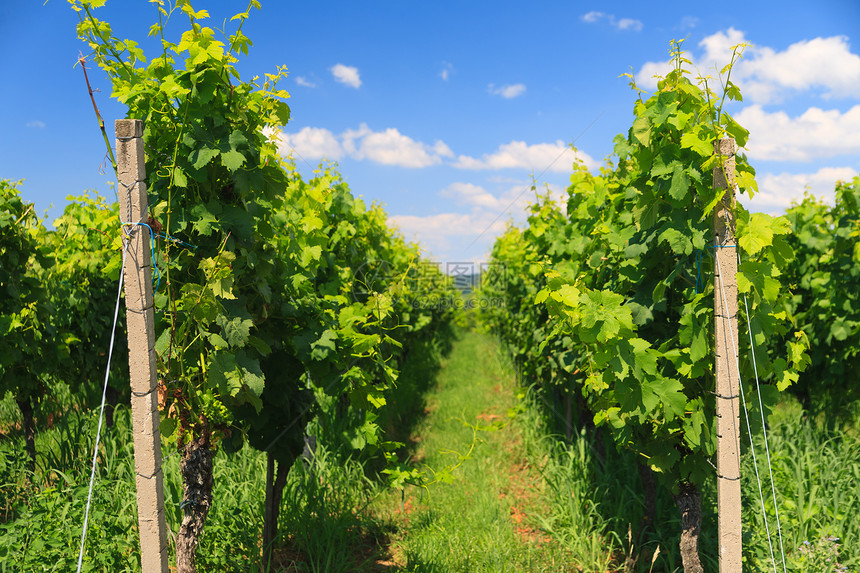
x=621 y=278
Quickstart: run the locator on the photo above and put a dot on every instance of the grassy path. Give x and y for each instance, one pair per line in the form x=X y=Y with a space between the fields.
x=478 y=521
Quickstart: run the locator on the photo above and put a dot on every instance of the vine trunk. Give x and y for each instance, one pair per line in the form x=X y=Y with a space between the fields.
x=649 y=489
x=26 y=407
x=689 y=502
x=197 y=482
x=276 y=479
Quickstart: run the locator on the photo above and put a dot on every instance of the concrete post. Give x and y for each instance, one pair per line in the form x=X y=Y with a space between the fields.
x=141 y=346
x=726 y=344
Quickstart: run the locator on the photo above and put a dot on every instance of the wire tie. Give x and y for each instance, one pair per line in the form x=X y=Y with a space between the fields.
x=150 y=476
x=157 y=386
x=719 y=475
x=167 y=457
x=151 y=248
x=144 y=394
x=175 y=240
x=699 y=260
x=129 y=187
x=726 y=397
x=142 y=311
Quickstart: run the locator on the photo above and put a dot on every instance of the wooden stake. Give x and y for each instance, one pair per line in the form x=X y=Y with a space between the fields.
x=141 y=346
x=726 y=344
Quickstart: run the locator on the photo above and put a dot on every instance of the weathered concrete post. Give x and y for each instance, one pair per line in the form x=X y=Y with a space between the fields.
x=141 y=346
x=726 y=344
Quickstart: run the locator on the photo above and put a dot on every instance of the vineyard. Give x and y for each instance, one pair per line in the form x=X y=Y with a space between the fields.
x=326 y=399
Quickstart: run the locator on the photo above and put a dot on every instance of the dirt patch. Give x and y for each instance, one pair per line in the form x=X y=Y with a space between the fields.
x=418 y=453
x=489 y=417
x=527 y=532
x=370 y=553
x=288 y=560
x=523 y=495
x=522 y=487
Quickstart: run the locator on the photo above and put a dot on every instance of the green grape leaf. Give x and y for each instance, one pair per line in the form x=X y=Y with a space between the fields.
x=232 y=159
x=680 y=183
x=641 y=131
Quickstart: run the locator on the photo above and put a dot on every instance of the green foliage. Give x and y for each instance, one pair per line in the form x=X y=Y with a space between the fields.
x=825 y=279
x=86 y=259
x=617 y=280
x=273 y=292
x=30 y=352
x=265 y=306
x=212 y=180
x=818 y=494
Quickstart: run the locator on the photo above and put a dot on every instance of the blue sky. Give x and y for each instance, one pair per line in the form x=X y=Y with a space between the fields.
x=443 y=111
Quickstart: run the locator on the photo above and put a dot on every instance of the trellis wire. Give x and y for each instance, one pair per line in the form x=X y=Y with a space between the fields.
x=101 y=414
x=764 y=434
x=749 y=430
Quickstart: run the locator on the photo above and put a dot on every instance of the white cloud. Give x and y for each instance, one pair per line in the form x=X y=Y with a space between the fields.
x=816 y=133
x=447 y=68
x=508 y=91
x=592 y=17
x=620 y=23
x=777 y=191
x=390 y=147
x=689 y=22
x=346 y=75
x=452 y=237
x=442 y=150
x=766 y=75
x=718 y=48
x=36 y=124
x=311 y=143
x=305 y=82
x=446 y=225
x=473 y=195
x=462 y=237
x=513 y=200
x=539 y=157
x=717 y=52
x=824 y=63
x=629 y=24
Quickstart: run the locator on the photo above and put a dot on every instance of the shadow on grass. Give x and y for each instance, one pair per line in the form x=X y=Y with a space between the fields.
x=633 y=513
x=326 y=524
x=408 y=400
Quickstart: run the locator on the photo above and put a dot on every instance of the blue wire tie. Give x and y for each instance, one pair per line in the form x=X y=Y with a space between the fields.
x=699 y=260
x=151 y=251
x=175 y=240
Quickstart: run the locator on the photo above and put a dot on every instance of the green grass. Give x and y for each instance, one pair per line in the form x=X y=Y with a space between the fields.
x=595 y=502
x=817 y=477
x=481 y=516
x=512 y=494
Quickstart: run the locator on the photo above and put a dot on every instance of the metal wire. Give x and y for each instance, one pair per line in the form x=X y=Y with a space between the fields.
x=101 y=413
x=749 y=430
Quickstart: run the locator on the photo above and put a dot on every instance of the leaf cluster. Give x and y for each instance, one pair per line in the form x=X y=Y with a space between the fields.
x=274 y=288
x=26 y=356
x=621 y=279
x=825 y=279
